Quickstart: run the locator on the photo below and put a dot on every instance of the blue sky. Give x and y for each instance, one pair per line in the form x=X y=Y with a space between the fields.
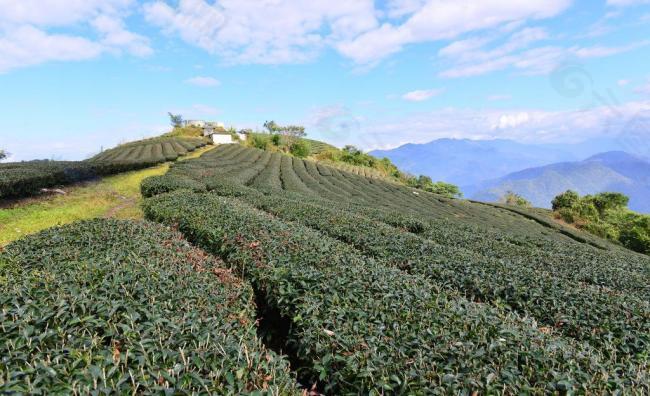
x=79 y=75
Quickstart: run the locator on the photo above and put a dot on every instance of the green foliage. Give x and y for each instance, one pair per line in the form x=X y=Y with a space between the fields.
x=276 y=139
x=122 y=307
x=345 y=326
x=565 y=200
x=608 y=201
x=176 y=120
x=259 y=141
x=300 y=148
x=3 y=155
x=161 y=184
x=425 y=183
x=606 y=215
x=513 y=199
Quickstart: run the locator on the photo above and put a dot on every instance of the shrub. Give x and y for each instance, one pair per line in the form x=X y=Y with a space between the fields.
x=567 y=199
x=276 y=139
x=300 y=148
x=514 y=199
x=260 y=141
x=123 y=307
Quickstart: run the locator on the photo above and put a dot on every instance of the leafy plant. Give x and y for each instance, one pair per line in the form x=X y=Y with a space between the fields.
x=300 y=149
x=606 y=215
x=107 y=306
x=513 y=199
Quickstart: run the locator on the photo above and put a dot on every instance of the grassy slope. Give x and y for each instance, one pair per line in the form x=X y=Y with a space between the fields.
x=114 y=196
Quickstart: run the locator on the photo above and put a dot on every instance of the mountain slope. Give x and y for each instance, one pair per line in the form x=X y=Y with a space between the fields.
x=468 y=162
x=610 y=171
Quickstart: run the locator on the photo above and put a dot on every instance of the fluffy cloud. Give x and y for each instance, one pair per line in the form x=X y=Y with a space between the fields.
x=25 y=39
x=507 y=121
x=48 y=13
x=27 y=45
x=621 y=123
x=626 y=3
x=202 y=81
x=421 y=95
x=267 y=32
x=471 y=57
x=290 y=31
x=442 y=20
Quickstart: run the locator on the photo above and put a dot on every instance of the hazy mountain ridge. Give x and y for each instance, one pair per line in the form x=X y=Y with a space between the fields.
x=468 y=162
x=610 y=171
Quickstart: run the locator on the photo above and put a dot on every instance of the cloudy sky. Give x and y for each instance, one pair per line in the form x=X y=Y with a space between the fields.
x=79 y=75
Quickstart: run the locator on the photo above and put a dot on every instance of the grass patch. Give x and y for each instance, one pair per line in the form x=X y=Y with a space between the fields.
x=114 y=196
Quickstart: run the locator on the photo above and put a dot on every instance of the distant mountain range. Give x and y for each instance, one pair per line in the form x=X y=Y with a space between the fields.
x=486 y=169
x=611 y=171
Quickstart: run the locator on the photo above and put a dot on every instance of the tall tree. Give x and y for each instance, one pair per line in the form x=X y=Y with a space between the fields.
x=3 y=154
x=176 y=120
x=271 y=126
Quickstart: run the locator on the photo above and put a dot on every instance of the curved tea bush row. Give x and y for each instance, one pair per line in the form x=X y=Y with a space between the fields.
x=491 y=231
x=122 y=307
x=554 y=297
x=151 y=150
x=21 y=179
x=363 y=327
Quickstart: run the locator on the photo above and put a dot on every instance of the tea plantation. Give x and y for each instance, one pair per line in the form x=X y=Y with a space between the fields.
x=389 y=289
x=107 y=306
x=283 y=275
x=19 y=179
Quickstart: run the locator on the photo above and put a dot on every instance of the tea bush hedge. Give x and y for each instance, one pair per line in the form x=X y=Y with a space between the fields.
x=21 y=179
x=365 y=327
x=120 y=307
x=557 y=295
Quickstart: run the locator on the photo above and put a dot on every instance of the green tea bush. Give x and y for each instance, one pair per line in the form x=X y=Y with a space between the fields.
x=584 y=312
x=161 y=184
x=364 y=327
x=123 y=307
x=21 y=179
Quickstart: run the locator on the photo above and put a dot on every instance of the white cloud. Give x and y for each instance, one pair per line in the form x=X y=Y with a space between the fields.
x=421 y=95
x=271 y=32
x=442 y=20
x=202 y=81
x=530 y=125
x=626 y=3
x=511 y=120
x=290 y=31
x=623 y=83
x=47 y=13
x=26 y=41
x=533 y=61
x=27 y=45
x=116 y=37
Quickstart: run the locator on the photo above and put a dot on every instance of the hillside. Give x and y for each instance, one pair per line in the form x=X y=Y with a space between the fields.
x=311 y=230
x=22 y=179
x=467 y=162
x=357 y=285
x=610 y=171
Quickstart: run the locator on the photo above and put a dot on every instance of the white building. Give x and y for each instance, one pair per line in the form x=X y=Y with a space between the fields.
x=195 y=123
x=222 y=138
